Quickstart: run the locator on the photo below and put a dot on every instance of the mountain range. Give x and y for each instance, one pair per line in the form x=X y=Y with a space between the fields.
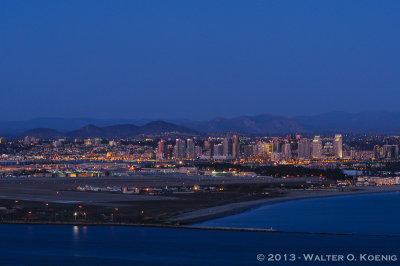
x=154 y=128
x=358 y=123
x=377 y=122
x=259 y=124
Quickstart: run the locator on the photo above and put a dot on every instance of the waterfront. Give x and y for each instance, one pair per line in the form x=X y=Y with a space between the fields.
x=367 y=218
x=375 y=213
x=115 y=245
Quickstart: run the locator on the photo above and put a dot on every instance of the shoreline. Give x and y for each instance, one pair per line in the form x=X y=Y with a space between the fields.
x=189 y=219
x=212 y=213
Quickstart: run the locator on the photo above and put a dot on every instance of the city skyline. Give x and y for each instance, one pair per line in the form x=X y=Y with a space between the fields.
x=199 y=132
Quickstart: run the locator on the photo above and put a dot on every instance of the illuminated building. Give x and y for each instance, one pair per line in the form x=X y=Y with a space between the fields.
x=198 y=151
x=235 y=147
x=264 y=149
x=207 y=145
x=286 y=150
x=190 y=149
x=328 y=149
x=227 y=146
x=338 y=146
x=391 y=151
x=112 y=143
x=218 y=150
x=276 y=145
x=316 y=148
x=377 y=152
x=162 y=150
x=304 y=149
x=179 y=149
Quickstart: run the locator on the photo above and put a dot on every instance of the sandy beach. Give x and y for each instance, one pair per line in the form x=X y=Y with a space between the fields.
x=234 y=208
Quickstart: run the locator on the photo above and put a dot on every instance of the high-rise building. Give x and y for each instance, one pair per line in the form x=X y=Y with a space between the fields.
x=391 y=151
x=304 y=149
x=328 y=149
x=227 y=146
x=286 y=150
x=190 y=149
x=218 y=150
x=198 y=151
x=161 y=150
x=316 y=148
x=276 y=145
x=338 y=146
x=235 y=147
x=377 y=152
x=264 y=149
x=170 y=151
x=179 y=149
x=215 y=150
x=246 y=150
x=207 y=145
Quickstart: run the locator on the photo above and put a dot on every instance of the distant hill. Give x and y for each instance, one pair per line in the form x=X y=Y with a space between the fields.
x=59 y=124
x=129 y=130
x=122 y=131
x=43 y=133
x=358 y=123
x=260 y=124
x=377 y=122
x=162 y=127
x=88 y=131
x=115 y=131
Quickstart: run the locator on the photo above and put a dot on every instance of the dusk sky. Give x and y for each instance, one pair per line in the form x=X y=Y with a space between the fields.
x=197 y=59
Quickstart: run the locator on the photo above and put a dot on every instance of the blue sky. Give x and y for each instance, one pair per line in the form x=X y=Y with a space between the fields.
x=197 y=59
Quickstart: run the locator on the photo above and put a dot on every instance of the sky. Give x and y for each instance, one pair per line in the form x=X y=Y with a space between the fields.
x=197 y=59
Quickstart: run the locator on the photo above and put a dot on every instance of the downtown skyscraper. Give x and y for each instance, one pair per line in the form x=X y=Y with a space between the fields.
x=338 y=146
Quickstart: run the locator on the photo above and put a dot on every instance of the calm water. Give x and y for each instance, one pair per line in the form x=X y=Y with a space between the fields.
x=113 y=245
x=104 y=245
x=364 y=214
